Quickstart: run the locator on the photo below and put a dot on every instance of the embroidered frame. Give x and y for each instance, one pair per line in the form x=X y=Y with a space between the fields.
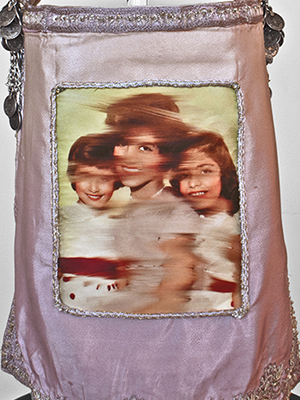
x=138 y=19
x=236 y=312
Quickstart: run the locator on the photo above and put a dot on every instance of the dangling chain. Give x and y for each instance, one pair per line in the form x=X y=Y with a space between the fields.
x=12 y=40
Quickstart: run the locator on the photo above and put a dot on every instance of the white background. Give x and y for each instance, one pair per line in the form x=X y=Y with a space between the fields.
x=284 y=75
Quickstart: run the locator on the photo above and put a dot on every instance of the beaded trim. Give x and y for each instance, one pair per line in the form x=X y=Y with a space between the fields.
x=11 y=356
x=278 y=380
x=139 y=19
x=237 y=313
x=12 y=360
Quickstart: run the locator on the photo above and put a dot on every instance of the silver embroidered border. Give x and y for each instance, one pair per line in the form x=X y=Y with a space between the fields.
x=278 y=380
x=140 y=19
x=237 y=313
x=11 y=355
x=37 y=395
x=12 y=360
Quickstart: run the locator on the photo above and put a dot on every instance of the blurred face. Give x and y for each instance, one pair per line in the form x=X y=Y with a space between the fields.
x=138 y=161
x=200 y=180
x=94 y=186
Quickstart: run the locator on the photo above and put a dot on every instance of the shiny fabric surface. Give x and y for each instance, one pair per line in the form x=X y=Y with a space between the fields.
x=180 y=359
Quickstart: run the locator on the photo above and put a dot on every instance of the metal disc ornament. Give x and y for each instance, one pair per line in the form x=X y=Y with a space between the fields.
x=7 y=16
x=16 y=121
x=275 y=21
x=281 y=41
x=11 y=31
x=10 y=105
x=4 y=45
x=15 y=44
x=271 y=37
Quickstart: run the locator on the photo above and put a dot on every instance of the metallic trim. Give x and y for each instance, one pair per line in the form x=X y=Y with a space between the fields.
x=237 y=313
x=12 y=360
x=141 y=19
x=277 y=380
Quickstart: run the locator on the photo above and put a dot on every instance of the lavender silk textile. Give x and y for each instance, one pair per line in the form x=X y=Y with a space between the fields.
x=63 y=356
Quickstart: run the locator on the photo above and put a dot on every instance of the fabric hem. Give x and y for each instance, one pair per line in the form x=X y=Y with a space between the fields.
x=276 y=381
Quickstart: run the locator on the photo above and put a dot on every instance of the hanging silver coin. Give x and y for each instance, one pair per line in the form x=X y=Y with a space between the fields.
x=7 y=16
x=4 y=45
x=16 y=121
x=281 y=41
x=10 y=105
x=15 y=44
x=271 y=37
x=275 y=21
x=11 y=31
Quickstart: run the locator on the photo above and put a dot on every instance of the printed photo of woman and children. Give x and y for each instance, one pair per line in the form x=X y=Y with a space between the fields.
x=148 y=199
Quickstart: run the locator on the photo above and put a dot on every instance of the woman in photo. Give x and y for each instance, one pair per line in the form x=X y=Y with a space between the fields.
x=157 y=230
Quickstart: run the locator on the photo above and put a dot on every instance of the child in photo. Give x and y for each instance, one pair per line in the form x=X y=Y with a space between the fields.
x=88 y=268
x=206 y=178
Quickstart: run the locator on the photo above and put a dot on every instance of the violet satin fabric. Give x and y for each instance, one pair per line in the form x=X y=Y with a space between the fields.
x=180 y=359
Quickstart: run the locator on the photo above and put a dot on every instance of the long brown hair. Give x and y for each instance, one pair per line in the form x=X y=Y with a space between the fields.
x=155 y=112
x=213 y=145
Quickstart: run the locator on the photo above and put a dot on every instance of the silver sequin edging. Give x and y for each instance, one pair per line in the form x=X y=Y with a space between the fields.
x=237 y=313
x=141 y=19
x=11 y=355
x=12 y=360
x=278 y=381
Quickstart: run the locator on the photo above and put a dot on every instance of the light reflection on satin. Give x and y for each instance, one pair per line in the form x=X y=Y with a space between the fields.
x=182 y=359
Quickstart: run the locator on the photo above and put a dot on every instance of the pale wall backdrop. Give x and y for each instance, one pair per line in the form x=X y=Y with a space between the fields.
x=284 y=75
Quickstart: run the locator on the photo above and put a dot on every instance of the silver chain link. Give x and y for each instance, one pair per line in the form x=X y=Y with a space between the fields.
x=15 y=76
x=12 y=40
